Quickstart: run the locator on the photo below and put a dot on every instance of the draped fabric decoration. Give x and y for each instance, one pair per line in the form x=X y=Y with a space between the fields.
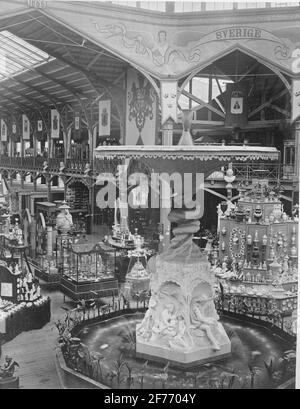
x=104 y=118
x=295 y=100
x=184 y=160
x=236 y=105
x=26 y=127
x=55 y=124
x=3 y=131
x=141 y=109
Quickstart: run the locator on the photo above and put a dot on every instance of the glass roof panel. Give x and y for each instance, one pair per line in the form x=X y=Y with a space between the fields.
x=185 y=6
x=16 y=55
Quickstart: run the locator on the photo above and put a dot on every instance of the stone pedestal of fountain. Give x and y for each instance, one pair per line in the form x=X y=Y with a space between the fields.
x=181 y=325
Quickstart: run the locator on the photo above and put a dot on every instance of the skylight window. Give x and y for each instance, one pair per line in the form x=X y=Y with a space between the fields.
x=16 y=55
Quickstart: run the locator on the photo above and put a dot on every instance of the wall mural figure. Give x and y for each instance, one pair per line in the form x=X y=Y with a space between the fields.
x=173 y=53
x=160 y=50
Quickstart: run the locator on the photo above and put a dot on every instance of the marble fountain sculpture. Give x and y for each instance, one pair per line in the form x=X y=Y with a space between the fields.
x=181 y=325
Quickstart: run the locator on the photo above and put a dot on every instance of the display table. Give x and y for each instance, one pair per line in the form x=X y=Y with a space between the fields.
x=25 y=317
x=78 y=290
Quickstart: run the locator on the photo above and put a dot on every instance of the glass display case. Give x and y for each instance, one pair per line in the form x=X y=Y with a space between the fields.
x=45 y=268
x=86 y=262
x=12 y=251
x=137 y=278
x=88 y=270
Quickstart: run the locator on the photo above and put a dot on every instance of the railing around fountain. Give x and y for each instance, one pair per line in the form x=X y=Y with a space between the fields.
x=275 y=320
x=87 y=364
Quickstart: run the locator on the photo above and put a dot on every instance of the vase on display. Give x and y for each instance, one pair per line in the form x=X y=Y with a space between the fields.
x=257 y=214
x=285 y=217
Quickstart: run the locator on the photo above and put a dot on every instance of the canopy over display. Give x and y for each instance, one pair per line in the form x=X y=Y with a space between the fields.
x=186 y=158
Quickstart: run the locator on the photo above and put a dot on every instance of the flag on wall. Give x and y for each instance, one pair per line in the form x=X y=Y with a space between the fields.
x=77 y=126
x=295 y=100
x=140 y=110
x=55 y=124
x=3 y=131
x=26 y=127
x=236 y=105
x=104 y=118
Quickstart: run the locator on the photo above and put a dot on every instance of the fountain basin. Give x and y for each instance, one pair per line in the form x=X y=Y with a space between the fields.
x=251 y=345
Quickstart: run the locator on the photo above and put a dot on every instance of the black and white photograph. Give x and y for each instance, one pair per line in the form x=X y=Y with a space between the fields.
x=149 y=197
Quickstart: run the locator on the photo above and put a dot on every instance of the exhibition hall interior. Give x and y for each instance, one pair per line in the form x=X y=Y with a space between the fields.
x=149 y=194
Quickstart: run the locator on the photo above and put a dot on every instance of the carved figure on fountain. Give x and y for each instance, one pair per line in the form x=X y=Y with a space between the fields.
x=182 y=314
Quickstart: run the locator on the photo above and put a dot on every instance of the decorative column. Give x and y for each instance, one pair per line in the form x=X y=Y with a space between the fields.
x=123 y=200
x=297 y=149
x=48 y=181
x=186 y=137
x=22 y=180
x=168 y=101
x=34 y=183
x=33 y=238
x=165 y=202
x=49 y=242
x=229 y=178
x=167 y=133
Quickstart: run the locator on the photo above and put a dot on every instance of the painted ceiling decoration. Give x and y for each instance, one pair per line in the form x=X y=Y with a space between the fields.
x=169 y=50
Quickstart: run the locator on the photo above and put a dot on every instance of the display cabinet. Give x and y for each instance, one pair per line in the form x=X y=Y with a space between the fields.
x=88 y=270
x=258 y=251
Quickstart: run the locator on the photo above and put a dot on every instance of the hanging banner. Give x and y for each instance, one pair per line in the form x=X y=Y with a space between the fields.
x=55 y=126
x=77 y=123
x=26 y=127
x=104 y=118
x=236 y=105
x=77 y=126
x=40 y=125
x=140 y=110
x=3 y=131
x=168 y=91
x=14 y=128
x=295 y=100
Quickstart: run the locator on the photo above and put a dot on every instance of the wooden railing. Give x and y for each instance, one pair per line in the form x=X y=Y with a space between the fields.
x=36 y=164
x=261 y=170
x=242 y=171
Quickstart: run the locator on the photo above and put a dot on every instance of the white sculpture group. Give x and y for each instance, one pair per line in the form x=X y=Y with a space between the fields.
x=181 y=315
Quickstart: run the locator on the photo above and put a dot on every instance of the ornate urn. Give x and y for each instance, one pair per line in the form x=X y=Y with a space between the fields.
x=257 y=214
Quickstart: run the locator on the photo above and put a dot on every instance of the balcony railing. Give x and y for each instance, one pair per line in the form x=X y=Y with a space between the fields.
x=242 y=171
x=36 y=164
x=262 y=170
